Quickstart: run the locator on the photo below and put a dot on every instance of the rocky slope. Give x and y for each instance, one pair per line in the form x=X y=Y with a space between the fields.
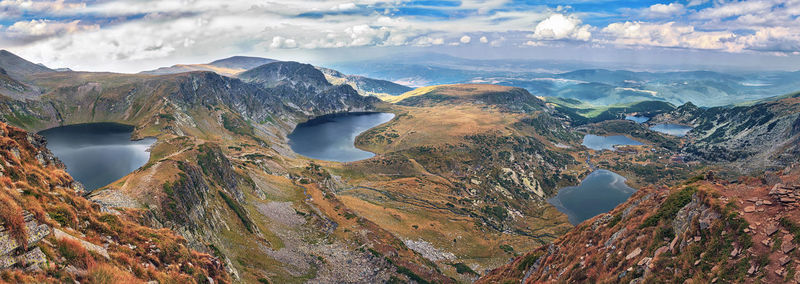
x=50 y=233
x=706 y=230
x=9 y=87
x=749 y=138
x=365 y=86
x=19 y=68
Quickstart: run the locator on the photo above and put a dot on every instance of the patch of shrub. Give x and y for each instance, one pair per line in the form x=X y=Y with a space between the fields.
x=75 y=254
x=462 y=268
x=107 y=274
x=670 y=207
x=238 y=210
x=528 y=261
x=11 y=215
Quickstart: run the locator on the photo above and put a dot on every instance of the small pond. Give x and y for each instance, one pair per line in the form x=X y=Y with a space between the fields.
x=97 y=154
x=332 y=137
x=599 y=192
x=672 y=129
x=598 y=143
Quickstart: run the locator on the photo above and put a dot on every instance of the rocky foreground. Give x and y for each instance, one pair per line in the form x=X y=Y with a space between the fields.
x=707 y=230
x=49 y=233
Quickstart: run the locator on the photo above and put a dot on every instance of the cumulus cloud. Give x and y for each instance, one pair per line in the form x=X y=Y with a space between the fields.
x=560 y=27
x=47 y=27
x=483 y=39
x=465 y=39
x=281 y=42
x=33 y=30
x=664 y=10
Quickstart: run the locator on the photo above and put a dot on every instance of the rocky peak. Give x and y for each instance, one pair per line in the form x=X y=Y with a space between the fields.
x=18 y=67
x=241 y=62
x=301 y=75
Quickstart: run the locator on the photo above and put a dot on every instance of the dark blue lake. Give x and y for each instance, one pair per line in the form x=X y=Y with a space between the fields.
x=97 y=154
x=598 y=143
x=599 y=192
x=672 y=129
x=637 y=119
x=332 y=137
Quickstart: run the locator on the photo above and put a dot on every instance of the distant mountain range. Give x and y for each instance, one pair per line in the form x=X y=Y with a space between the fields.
x=595 y=86
x=237 y=65
x=228 y=66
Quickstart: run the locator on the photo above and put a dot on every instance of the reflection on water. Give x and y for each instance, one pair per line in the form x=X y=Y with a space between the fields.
x=332 y=137
x=97 y=154
x=672 y=129
x=598 y=143
x=598 y=193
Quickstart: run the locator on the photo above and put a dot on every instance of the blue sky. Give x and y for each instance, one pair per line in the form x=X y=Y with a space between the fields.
x=133 y=35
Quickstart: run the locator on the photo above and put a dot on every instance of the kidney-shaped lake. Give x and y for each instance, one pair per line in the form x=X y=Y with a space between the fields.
x=332 y=137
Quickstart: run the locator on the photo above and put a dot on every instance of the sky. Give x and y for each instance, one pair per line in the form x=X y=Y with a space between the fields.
x=136 y=35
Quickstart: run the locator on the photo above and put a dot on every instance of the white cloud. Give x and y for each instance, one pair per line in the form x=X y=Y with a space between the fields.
x=663 y=10
x=47 y=27
x=216 y=28
x=693 y=3
x=281 y=42
x=428 y=41
x=668 y=35
x=558 y=27
x=774 y=39
x=39 y=6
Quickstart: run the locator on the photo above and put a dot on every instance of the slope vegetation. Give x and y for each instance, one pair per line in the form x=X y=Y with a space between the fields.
x=705 y=230
x=53 y=234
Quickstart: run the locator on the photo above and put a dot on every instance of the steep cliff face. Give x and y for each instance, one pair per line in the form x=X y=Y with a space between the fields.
x=51 y=232
x=304 y=87
x=705 y=230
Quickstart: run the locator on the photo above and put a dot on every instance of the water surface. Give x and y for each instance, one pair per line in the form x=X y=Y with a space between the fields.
x=598 y=193
x=672 y=129
x=637 y=119
x=598 y=143
x=332 y=137
x=97 y=154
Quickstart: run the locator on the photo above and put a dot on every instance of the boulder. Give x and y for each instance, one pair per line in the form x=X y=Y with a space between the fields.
x=636 y=252
x=786 y=244
x=10 y=248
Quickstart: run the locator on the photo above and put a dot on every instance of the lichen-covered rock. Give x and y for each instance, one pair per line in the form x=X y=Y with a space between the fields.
x=9 y=245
